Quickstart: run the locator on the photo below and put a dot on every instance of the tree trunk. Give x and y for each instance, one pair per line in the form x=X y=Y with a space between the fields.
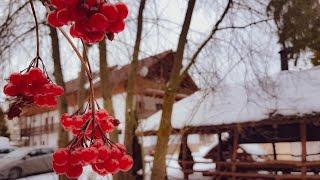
x=82 y=81
x=3 y=125
x=159 y=163
x=106 y=86
x=106 y=89
x=63 y=137
x=284 y=59
x=131 y=118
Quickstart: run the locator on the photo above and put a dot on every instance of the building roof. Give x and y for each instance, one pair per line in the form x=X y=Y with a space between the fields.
x=154 y=71
x=286 y=93
x=120 y=74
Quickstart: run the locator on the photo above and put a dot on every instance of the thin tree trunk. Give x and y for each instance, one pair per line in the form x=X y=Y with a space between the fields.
x=106 y=89
x=63 y=137
x=284 y=61
x=159 y=162
x=131 y=118
x=82 y=81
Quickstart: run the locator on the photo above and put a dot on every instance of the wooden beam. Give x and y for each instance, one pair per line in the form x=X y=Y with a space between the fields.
x=303 y=136
x=220 y=156
x=235 y=140
x=260 y=176
x=184 y=144
x=214 y=129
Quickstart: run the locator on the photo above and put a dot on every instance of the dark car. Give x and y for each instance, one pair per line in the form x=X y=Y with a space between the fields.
x=26 y=161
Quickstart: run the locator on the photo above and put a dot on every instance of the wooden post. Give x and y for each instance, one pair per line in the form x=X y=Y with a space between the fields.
x=184 y=142
x=274 y=153
x=234 y=149
x=274 y=145
x=303 y=137
x=219 y=155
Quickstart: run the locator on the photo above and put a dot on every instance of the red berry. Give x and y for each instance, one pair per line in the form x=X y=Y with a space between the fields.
x=116 y=153
x=121 y=147
x=57 y=90
x=102 y=114
x=60 y=170
x=122 y=10
x=71 y=3
x=110 y=11
x=117 y=26
x=60 y=157
x=106 y=126
x=89 y=155
x=104 y=152
x=74 y=32
x=53 y=19
x=78 y=14
x=10 y=90
x=99 y=168
x=125 y=163
x=98 y=143
x=59 y=4
x=36 y=76
x=74 y=157
x=98 y=22
x=74 y=171
x=63 y=16
x=15 y=78
x=112 y=166
x=93 y=37
x=90 y=3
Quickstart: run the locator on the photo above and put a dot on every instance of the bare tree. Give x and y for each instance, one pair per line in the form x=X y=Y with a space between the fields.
x=105 y=84
x=177 y=74
x=130 y=140
x=63 y=138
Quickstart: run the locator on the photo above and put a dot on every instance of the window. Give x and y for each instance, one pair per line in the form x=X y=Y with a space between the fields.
x=158 y=106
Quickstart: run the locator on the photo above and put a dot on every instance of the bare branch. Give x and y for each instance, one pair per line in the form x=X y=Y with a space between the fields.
x=206 y=41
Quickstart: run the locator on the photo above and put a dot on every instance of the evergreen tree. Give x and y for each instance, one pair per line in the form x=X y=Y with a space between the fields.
x=298 y=23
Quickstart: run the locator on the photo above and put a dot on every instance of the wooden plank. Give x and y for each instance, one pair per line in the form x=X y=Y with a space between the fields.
x=234 y=149
x=262 y=176
x=303 y=136
x=220 y=156
x=214 y=129
x=184 y=144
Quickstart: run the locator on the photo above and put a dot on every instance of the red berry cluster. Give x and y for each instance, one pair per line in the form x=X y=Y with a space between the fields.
x=32 y=87
x=90 y=19
x=102 y=158
x=76 y=123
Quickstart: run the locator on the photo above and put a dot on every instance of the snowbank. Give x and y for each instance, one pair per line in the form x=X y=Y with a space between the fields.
x=4 y=142
x=287 y=93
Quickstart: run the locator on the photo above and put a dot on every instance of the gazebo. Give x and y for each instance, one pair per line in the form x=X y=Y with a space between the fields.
x=282 y=108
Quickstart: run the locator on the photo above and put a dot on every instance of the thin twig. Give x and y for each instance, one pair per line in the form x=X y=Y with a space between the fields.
x=37 y=28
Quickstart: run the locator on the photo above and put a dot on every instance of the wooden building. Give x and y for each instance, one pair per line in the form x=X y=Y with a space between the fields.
x=279 y=112
x=39 y=126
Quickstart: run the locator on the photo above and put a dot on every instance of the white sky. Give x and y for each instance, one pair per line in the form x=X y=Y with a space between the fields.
x=236 y=53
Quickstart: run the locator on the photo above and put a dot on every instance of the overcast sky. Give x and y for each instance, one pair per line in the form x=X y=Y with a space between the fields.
x=232 y=56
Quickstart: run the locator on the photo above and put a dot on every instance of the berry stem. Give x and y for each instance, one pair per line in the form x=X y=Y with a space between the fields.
x=92 y=102
x=37 y=29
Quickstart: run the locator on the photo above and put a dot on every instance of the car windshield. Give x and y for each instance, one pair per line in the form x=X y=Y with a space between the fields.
x=18 y=153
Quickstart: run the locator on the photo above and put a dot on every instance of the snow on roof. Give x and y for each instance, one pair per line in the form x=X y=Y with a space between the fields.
x=286 y=93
